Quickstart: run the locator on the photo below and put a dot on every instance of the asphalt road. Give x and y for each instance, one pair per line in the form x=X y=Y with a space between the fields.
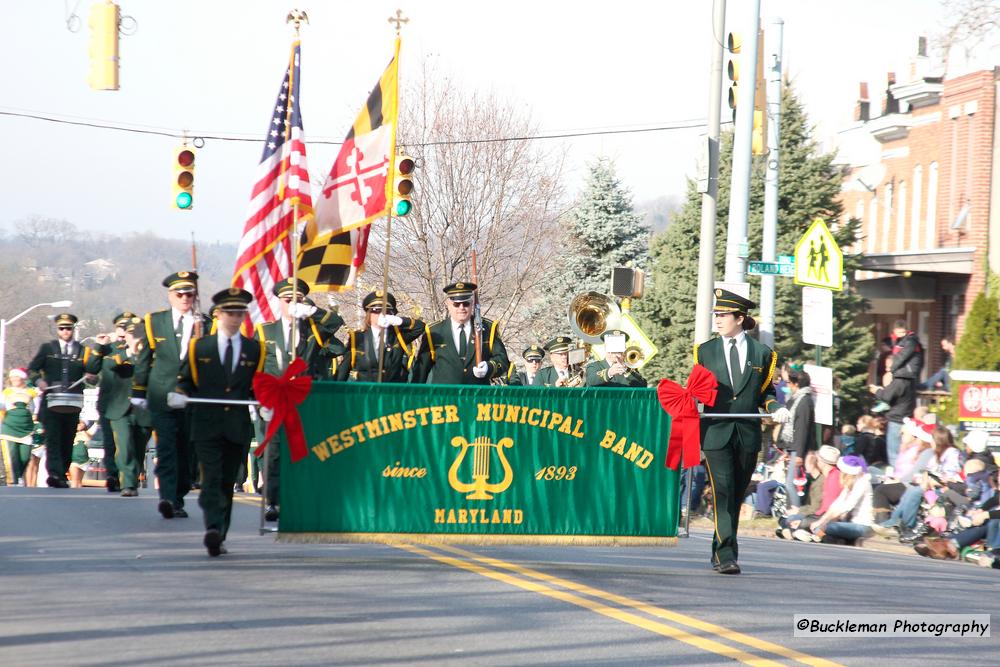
x=90 y=578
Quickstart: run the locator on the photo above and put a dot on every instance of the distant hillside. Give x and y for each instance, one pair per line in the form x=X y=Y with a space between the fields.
x=50 y=260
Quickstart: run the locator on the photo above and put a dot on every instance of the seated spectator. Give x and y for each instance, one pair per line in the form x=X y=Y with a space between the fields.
x=850 y=516
x=869 y=442
x=848 y=440
x=916 y=452
x=823 y=490
x=975 y=448
x=941 y=379
x=944 y=467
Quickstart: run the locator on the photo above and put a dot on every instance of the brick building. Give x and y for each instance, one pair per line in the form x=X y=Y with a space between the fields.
x=920 y=177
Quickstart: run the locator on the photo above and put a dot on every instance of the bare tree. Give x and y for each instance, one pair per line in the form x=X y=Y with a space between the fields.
x=480 y=183
x=968 y=23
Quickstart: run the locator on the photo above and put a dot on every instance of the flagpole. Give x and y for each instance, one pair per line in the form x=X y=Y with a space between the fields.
x=390 y=179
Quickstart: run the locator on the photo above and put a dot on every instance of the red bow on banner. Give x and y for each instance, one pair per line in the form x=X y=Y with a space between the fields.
x=679 y=403
x=282 y=395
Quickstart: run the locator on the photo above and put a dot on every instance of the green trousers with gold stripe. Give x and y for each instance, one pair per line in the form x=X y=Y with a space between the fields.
x=729 y=471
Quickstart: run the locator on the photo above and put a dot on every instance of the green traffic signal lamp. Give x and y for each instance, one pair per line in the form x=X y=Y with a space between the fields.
x=403 y=184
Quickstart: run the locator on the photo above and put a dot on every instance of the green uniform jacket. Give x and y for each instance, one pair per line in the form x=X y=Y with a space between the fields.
x=116 y=382
x=597 y=376
x=519 y=379
x=48 y=364
x=439 y=354
x=361 y=359
x=547 y=376
x=756 y=391
x=159 y=360
x=316 y=342
x=202 y=376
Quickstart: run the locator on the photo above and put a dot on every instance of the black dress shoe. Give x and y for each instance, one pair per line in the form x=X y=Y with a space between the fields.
x=113 y=485
x=270 y=513
x=729 y=567
x=166 y=508
x=129 y=492
x=180 y=513
x=57 y=483
x=213 y=542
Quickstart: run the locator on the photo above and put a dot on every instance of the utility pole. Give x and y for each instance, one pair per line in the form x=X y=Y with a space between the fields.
x=739 y=197
x=710 y=185
x=772 y=70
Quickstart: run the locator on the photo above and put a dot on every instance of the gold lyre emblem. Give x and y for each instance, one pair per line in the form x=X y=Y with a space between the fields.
x=480 y=488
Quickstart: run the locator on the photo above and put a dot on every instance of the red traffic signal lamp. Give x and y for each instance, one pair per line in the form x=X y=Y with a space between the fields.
x=403 y=185
x=184 y=178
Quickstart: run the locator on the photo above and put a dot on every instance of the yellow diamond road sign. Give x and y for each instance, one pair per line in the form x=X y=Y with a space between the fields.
x=818 y=260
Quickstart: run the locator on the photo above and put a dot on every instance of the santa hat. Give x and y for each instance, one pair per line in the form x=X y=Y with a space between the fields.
x=18 y=373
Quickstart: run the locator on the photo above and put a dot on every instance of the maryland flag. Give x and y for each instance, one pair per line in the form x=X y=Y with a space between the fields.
x=357 y=191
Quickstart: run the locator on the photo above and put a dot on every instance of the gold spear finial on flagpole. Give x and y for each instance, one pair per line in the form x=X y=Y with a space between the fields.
x=298 y=17
x=398 y=20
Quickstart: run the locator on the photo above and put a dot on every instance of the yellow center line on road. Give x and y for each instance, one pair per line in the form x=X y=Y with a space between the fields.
x=702 y=643
x=675 y=617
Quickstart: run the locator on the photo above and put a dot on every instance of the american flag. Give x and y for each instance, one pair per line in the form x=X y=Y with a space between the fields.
x=265 y=253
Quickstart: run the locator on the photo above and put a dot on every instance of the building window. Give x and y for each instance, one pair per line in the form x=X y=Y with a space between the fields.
x=930 y=240
x=918 y=178
x=901 y=218
x=886 y=219
x=872 y=224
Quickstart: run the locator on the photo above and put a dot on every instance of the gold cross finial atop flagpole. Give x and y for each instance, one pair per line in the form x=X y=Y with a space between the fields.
x=398 y=20
x=298 y=17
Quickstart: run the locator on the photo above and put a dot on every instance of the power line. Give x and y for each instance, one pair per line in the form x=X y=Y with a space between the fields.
x=687 y=124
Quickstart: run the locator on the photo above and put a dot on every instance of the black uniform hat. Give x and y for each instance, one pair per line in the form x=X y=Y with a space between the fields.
x=730 y=302
x=374 y=301
x=460 y=291
x=63 y=319
x=559 y=344
x=182 y=281
x=121 y=320
x=285 y=288
x=533 y=353
x=232 y=299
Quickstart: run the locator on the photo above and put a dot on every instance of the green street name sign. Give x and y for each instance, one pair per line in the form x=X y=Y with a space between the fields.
x=771 y=269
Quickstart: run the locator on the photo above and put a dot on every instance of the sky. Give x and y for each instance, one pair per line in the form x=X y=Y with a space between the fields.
x=215 y=67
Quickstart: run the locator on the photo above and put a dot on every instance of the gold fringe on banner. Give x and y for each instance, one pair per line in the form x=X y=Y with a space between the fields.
x=477 y=540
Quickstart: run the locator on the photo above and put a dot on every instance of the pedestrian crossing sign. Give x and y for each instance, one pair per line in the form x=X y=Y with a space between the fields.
x=818 y=260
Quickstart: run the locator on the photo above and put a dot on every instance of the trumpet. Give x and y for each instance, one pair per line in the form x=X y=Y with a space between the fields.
x=634 y=357
x=575 y=379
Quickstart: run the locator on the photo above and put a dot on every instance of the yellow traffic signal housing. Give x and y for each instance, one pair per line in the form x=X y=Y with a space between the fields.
x=103 y=50
x=184 y=178
x=758 y=144
x=402 y=187
x=734 y=44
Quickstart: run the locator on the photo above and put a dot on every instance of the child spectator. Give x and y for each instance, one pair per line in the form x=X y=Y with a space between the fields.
x=869 y=442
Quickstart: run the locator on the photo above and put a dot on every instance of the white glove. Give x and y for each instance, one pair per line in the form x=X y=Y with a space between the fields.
x=781 y=416
x=301 y=310
x=139 y=402
x=386 y=321
x=267 y=414
x=481 y=369
x=176 y=401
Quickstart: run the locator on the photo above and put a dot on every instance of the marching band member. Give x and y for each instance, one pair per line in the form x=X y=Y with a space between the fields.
x=744 y=369
x=167 y=336
x=60 y=365
x=612 y=371
x=220 y=366
x=532 y=356
x=397 y=333
x=448 y=355
x=559 y=374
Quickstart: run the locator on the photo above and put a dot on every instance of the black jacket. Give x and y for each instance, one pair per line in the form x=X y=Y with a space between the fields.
x=901 y=395
x=871 y=447
x=908 y=358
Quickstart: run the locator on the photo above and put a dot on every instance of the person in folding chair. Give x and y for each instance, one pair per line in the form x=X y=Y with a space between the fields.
x=220 y=366
x=744 y=369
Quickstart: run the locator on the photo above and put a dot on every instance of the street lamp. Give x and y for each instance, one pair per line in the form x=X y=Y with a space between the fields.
x=3 y=333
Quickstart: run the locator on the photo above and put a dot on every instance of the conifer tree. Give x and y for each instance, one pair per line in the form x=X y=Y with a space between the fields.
x=809 y=185
x=979 y=347
x=601 y=231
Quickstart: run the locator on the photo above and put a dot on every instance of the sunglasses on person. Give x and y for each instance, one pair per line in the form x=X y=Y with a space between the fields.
x=65 y=328
x=461 y=304
x=184 y=295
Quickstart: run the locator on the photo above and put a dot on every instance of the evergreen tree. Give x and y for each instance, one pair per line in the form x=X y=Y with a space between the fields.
x=600 y=232
x=809 y=186
x=979 y=347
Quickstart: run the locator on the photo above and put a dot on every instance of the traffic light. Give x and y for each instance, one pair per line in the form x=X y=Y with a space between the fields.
x=402 y=187
x=103 y=50
x=734 y=43
x=184 y=178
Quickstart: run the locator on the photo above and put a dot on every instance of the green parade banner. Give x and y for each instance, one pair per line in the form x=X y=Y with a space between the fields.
x=502 y=464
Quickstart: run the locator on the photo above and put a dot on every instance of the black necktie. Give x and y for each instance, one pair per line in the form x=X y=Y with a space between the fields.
x=463 y=343
x=734 y=363
x=228 y=360
x=179 y=329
